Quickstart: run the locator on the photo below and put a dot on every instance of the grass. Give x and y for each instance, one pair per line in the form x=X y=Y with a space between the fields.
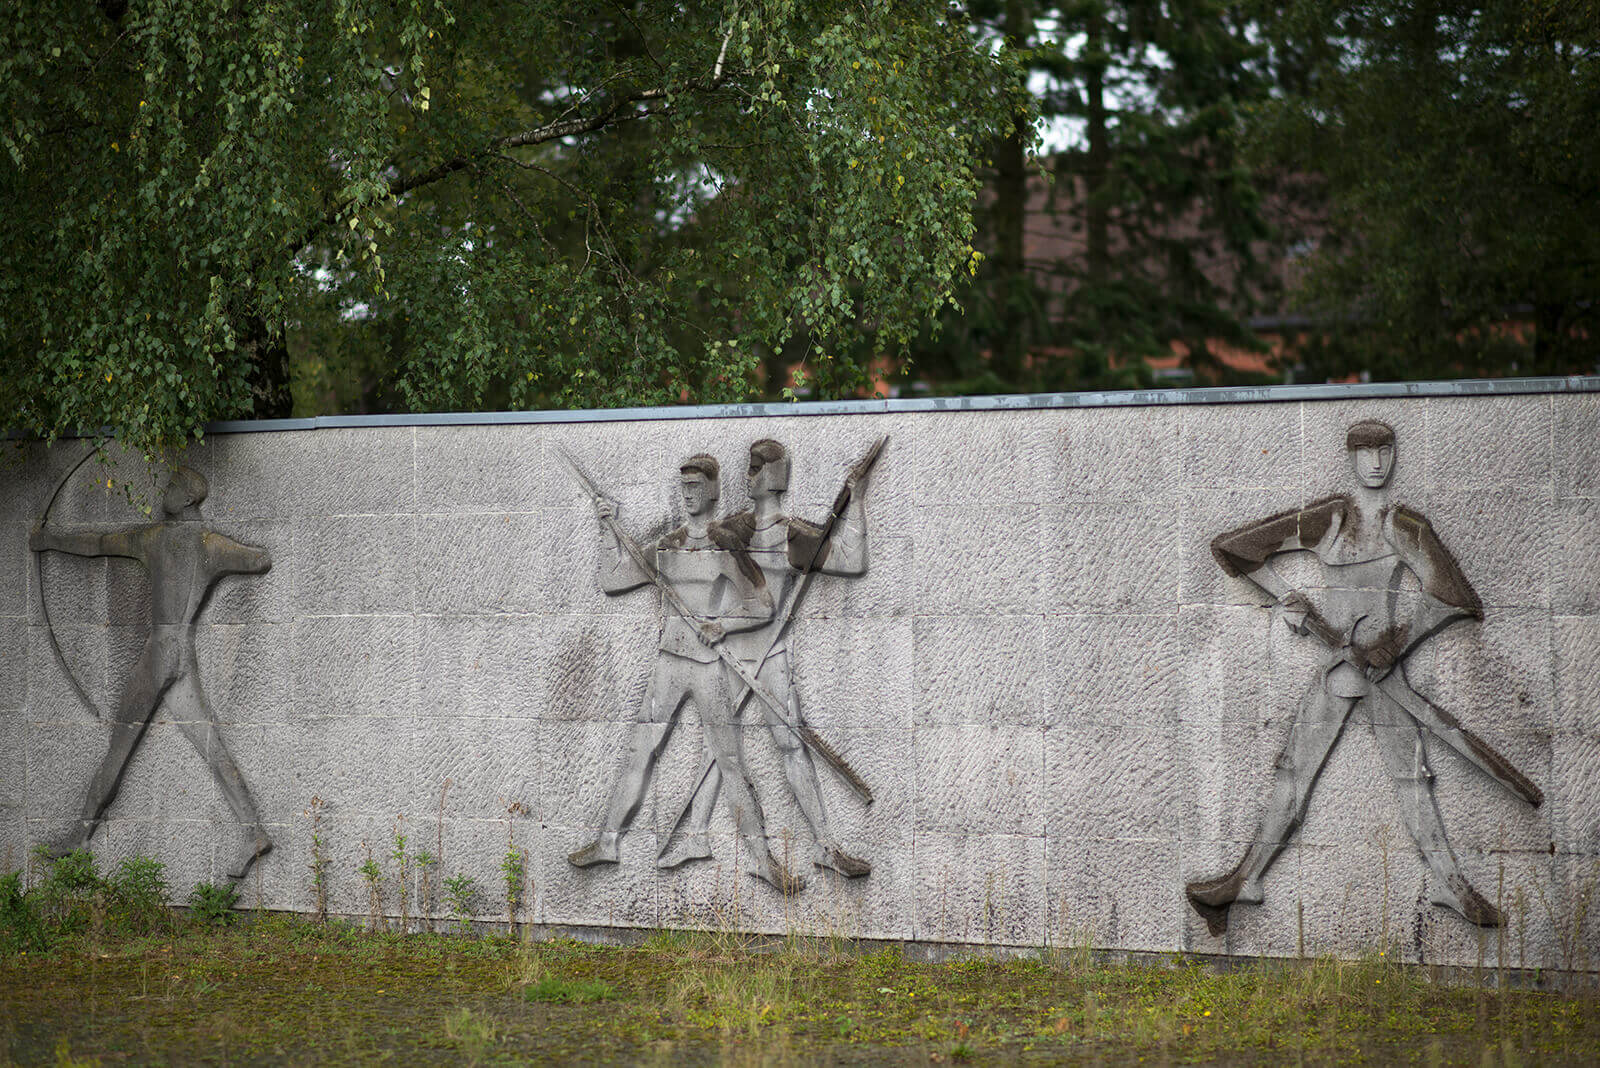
x=290 y=991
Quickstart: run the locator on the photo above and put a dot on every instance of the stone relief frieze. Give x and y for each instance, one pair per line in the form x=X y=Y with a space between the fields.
x=184 y=559
x=1389 y=585
x=729 y=590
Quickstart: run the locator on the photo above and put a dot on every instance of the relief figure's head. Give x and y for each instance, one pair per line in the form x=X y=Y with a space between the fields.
x=185 y=489
x=699 y=483
x=1371 y=447
x=769 y=468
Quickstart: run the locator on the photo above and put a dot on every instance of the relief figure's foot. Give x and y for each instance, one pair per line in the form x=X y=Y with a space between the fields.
x=690 y=847
x=1212 y=898
x=255 y=845
x=602 y=850
x=832 y=856
x=772 y=870
x=1456 y=893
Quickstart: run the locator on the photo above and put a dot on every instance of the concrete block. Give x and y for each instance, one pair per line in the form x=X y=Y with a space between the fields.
x=613 y=895
x=1204 y=516
x=1575 y=582
x=980 y=780
x=16 y=565
x=1110 y=669
x=1224 y=673
x=61 y=759
x=279 y=778
x=565 y=561
x=483 y=564
x=17 y=640
x=1114 y=557
x=988 y=458
x=167 y=780
x=247 y=671
x=582 y=761
x=355 y=666
x=632 y=463
x=354 y=471
x=482 y=666
x=592 y=667
x=1361 y=899
x=1223 y=451
x=980 y=669
x=1576 y=441
x=1230 y=766
x=1113 y=894
x=468 y=469
x=1574 y=771
x=1491 y=441
x=1109 y=782
x=851 y=673
x=1577 y=674
x=985 y=889
x=1116 y=454
x=1006 y=539
x=490 y=763
x=13 y=761
x=1506 y=540
x=354 y=565
x=360 y=765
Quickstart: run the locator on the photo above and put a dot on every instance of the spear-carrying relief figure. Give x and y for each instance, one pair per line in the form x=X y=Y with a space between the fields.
x=789 y=551
x=710 y=588
x=1390 y=584
x=184 y=559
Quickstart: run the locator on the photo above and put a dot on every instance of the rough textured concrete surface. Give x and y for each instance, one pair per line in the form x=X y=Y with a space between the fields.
x=1073 y=721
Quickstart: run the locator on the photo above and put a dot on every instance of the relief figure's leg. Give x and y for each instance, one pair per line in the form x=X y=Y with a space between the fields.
x=670 y=682
x=186 y=701
x=143 y=692
x=801 y=770
x=1400 y=742
x=1316 y=728
x=714 y=699
x=696 y=843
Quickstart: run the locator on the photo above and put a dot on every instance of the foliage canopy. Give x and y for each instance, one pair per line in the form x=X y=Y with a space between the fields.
x=1457 y=143
x=470 y=205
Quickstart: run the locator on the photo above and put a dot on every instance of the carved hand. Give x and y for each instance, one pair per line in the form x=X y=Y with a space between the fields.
x=605 y=510
x=1295 y=610
x=711 y=632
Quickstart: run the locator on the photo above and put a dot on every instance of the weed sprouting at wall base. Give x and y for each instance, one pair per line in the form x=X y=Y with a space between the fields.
x=318 y=865
x=461 y=893
x=402 y=861
x=373 y=875
x=214 y=904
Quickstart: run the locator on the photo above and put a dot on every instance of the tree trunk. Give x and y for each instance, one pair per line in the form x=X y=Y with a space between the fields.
x=1010 y=212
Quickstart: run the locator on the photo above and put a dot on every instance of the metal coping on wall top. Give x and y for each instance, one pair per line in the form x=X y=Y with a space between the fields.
x=1016 y=402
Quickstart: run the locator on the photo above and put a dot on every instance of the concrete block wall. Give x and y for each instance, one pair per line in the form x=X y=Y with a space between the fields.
x=1065 y=708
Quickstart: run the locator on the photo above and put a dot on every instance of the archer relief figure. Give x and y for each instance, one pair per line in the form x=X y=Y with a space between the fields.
x=1390 y=583
x=710 y=588
x=789 y=551
x=184 y=559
